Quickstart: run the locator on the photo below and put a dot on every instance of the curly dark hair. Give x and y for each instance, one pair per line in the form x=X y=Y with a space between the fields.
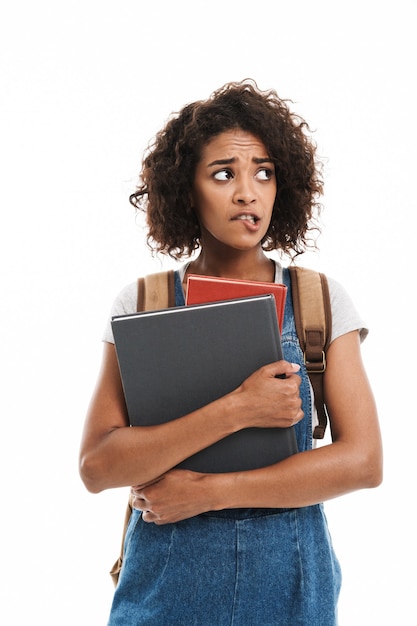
x=169 y=166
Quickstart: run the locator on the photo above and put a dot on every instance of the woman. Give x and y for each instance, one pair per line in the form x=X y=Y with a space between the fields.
x=233 y=177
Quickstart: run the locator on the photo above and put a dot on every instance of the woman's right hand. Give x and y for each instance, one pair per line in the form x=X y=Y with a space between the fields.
x=270 y=397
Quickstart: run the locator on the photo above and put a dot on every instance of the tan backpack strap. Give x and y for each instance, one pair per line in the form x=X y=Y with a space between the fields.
x=313 y=320
x=156 y=291
x=115 y=570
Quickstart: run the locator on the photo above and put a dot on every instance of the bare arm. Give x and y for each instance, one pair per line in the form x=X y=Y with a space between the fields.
x=352 y=461
x=113 y=454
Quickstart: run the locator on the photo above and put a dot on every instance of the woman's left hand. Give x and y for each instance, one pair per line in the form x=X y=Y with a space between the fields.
x=175 y=496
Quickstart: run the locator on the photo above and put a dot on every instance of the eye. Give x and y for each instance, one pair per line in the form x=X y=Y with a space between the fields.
x=223 y=175
x=265 y=173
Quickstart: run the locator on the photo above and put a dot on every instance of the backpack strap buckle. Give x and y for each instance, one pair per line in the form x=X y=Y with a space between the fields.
x=316 y=367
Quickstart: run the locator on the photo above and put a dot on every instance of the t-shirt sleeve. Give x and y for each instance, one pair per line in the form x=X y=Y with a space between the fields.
x=345 y=317
x=124 y=304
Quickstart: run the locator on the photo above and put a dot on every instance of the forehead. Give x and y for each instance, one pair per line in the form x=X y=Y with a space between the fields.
x=231 y=143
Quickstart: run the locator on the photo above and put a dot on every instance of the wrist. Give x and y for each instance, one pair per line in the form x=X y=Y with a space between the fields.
x=218 y=491
x=232 y=410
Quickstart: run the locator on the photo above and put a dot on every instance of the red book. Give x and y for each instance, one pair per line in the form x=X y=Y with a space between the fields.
x=201 y=289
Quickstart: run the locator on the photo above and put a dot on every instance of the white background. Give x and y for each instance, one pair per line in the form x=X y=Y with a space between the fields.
x=84 y=86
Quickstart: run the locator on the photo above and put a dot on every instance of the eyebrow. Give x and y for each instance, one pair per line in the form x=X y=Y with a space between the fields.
x=259 y=161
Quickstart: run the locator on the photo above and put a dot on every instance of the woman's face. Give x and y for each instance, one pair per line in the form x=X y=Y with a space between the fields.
x=234 y=190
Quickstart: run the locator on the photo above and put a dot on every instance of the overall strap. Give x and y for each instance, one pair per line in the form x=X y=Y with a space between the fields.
x=313 y=321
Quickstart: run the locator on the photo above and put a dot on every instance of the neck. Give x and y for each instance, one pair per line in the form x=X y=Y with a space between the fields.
x=250 y=265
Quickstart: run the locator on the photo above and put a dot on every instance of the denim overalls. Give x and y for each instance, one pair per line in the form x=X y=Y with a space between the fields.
x=237 y=567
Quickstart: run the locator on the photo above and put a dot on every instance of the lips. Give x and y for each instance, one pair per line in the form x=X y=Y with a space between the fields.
x=252 y=218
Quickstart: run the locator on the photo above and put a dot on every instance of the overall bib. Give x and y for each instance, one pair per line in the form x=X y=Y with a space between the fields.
x=236 y=567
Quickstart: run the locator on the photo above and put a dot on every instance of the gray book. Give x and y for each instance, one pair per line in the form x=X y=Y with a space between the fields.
x=174 y=361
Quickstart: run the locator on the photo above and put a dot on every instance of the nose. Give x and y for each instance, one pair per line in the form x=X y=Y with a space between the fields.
x=244 y=192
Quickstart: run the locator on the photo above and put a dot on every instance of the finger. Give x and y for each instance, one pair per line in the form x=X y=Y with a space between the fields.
x=139 y=488
x=282 y=369
x=298 y=417
x=147 y=516
x=139 y=503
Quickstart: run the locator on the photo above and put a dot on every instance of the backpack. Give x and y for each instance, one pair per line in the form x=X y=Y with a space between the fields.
x=313 y=320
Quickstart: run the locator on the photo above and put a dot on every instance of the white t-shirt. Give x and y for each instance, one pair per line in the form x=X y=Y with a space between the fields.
x=345 y=317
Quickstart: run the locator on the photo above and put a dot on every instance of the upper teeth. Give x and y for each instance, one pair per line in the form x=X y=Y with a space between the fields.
x=250 y=218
